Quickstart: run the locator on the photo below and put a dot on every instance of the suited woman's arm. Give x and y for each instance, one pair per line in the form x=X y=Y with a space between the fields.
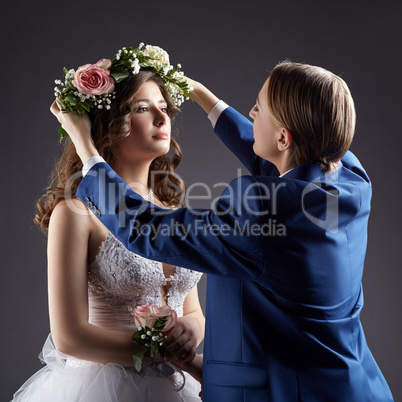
x=234 y=130
x=226 y=241
x=202 y=95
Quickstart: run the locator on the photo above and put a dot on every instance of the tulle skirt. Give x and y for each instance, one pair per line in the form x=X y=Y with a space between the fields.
x=68 y=379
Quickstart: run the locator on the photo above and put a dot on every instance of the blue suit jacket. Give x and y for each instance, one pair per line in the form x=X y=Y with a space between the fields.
x=284 y=258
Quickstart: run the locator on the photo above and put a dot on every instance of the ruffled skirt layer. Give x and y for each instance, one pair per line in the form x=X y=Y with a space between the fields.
x=68 y=379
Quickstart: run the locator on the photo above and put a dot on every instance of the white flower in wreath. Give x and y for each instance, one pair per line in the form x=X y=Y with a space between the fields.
x=156 y=53
x=135 y=65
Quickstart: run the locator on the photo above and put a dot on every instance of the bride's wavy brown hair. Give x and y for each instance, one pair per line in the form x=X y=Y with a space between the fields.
x=109 y=127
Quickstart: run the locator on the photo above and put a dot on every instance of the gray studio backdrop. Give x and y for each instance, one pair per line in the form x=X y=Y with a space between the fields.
x=230 y=47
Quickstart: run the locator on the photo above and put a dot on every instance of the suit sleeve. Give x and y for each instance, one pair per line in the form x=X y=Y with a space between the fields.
x=224 y=241
x=236 y=132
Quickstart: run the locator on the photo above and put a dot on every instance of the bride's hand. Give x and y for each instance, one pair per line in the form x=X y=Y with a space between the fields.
x=182 y=340
x=78 y=127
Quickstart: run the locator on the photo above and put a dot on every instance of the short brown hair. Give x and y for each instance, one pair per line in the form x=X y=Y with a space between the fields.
x=316 y=106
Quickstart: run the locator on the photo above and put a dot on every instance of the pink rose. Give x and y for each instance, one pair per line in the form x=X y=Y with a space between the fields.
x=145 y=316
x=94 y=79
x=166 y=311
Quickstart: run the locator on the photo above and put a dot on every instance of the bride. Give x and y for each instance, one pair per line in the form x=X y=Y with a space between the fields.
x=94 y=283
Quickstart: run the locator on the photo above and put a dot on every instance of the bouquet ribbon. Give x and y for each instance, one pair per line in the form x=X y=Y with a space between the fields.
x=171 y=372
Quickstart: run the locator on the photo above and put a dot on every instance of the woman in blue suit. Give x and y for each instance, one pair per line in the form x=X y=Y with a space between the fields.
x=284 y=247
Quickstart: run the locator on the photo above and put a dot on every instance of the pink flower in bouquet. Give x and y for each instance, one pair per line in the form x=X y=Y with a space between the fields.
x=145 y=316
x=94 y=79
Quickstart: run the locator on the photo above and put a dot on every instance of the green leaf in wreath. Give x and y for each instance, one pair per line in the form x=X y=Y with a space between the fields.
x=70 y=100
x=119 y=74
x=63 y=133
x=86 y=106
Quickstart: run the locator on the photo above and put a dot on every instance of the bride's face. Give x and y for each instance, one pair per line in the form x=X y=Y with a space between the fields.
x=150 y=126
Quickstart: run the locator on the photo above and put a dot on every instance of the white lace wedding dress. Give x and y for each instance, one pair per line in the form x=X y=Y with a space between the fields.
x=118 y=281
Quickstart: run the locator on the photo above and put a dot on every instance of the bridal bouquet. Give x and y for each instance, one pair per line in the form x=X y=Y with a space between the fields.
x=152 y=322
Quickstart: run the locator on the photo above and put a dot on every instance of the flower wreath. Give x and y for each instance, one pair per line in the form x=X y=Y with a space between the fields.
x=92 y=85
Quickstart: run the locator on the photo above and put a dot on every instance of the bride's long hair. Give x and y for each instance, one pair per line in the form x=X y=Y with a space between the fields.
x=109 y=127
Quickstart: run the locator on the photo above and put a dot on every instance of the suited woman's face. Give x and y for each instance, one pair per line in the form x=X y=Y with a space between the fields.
x=266 y=132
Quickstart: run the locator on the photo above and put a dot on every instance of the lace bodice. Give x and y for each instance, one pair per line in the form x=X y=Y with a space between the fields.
x=119 y=281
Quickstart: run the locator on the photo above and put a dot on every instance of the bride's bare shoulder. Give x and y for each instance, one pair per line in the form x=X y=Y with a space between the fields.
x=70 y=213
